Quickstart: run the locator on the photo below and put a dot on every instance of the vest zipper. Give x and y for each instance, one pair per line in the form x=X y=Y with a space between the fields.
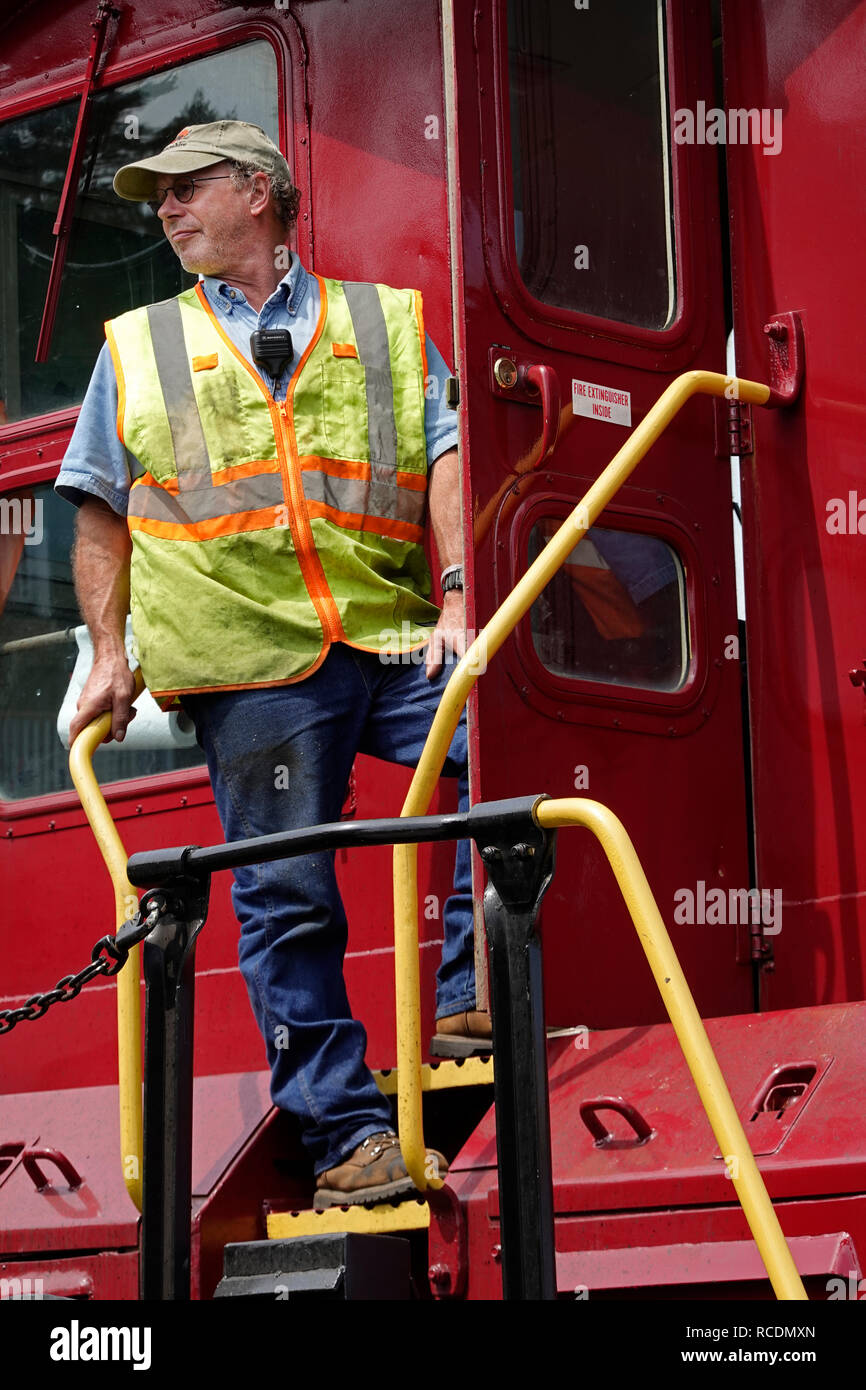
x=308 y=556
x=299 y=522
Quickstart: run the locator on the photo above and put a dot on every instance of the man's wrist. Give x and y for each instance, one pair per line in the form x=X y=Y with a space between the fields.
x=108 y=648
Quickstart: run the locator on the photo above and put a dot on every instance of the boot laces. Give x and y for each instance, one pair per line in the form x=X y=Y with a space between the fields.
x=386 y=1140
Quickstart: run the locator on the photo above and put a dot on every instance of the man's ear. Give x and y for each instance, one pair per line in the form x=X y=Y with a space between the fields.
x=260 y=194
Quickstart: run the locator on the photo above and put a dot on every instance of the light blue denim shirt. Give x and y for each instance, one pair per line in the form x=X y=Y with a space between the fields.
x=97 y=464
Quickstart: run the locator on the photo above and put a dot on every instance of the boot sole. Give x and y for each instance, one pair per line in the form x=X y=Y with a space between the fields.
x=327 y=1197
x=445 y=1045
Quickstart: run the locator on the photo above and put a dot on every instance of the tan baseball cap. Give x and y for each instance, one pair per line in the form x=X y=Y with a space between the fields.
x=197 y=147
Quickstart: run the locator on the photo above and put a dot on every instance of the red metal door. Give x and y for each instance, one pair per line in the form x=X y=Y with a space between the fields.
x=797 y=221
x=587 y=242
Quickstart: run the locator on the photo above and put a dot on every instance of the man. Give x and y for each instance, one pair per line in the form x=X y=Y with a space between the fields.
x=257 y=502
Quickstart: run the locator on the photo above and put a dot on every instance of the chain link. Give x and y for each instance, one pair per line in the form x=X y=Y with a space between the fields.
x=108 y=957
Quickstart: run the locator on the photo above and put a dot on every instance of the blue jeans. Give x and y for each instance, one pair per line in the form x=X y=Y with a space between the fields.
x=280 y=759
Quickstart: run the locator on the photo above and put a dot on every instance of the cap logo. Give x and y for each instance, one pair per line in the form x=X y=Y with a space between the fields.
x=180 y=134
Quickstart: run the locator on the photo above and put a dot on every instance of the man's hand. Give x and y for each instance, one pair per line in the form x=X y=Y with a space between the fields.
x=110 y=686
x=100 y=566
x=449 y=634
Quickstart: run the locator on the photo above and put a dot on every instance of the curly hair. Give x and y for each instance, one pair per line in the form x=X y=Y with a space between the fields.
x=285 y=197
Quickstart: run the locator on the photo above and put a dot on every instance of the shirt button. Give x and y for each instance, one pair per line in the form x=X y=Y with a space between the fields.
x=232 y=294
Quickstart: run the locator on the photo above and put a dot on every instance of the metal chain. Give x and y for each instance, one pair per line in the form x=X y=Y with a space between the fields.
x=108 y=957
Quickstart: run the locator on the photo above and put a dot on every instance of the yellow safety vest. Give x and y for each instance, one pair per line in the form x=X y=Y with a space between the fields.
x=262 y=531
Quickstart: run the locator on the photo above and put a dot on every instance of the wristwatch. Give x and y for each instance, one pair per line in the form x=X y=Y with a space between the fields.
x=452 y=578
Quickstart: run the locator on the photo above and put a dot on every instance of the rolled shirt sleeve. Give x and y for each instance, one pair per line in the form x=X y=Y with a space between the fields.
x=96 y=464
x=440 y=421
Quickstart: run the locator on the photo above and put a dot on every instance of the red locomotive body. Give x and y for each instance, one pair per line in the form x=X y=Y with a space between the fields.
x=593 y=200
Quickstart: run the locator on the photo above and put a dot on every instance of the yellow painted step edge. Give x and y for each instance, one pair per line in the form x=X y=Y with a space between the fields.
x=406 y=1216
x=442 y=1076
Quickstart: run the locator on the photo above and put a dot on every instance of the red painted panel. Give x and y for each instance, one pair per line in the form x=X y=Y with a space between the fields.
x=111 y=1275
x=676 y=778
x=797 y=225
x=821 y=1143
x=712 y=1263
x=672 y=1190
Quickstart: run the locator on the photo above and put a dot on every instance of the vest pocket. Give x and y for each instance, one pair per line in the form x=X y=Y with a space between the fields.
x=368 y=416
x=344 y=409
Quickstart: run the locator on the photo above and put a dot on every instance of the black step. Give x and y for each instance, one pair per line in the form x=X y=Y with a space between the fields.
x=342 y=1265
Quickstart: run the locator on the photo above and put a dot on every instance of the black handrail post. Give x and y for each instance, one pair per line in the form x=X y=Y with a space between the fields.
x=520 y=869
x=519 y=857
x=169 y=973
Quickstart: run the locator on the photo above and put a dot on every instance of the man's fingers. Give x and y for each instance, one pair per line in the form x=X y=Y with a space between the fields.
x=101 y=700
x=450 y=639
x=433 y=660
x=121 y=717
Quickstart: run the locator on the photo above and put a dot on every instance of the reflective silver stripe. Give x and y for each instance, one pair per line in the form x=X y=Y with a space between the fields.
x=202 y=504
x=175 y=381
x=356 y=495
x=371 y=335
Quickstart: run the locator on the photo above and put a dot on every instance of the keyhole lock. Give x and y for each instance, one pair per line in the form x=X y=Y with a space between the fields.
x=505 y=372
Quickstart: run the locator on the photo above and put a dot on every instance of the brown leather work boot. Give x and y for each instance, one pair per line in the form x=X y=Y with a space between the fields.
x=467 y=1034
x=375 y=1172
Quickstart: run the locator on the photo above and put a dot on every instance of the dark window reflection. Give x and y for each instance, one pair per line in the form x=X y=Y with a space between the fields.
x=615 y=612
x=117 y=256
x=38 y=615
x=589 y=151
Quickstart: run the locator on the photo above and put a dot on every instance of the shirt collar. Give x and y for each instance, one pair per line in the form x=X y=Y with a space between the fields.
x=291 y=290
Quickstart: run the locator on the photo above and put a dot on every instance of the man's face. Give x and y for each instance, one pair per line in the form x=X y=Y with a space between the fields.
x=205 y=233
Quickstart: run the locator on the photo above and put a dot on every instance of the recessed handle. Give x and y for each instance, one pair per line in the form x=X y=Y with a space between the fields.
x=31 y=1166
x=604 y=1139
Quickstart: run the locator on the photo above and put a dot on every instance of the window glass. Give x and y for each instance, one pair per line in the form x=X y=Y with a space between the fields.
x=590 y=157
x=615 y=611
x=117 y=257
x=38 y=651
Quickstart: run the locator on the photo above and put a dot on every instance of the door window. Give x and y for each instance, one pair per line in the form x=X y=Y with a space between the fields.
x=593 y=223
x=615 y=612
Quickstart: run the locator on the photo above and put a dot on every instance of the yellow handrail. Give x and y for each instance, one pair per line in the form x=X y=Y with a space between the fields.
x=691 y=1033
x=128 y=981
x=454 y=697
x=463 y=677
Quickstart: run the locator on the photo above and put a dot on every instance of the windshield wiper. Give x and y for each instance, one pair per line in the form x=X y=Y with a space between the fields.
x=66 y=208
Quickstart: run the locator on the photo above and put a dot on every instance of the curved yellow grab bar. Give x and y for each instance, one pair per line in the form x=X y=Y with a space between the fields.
x=454 y=697
x=690 y=1031
x=126 y=905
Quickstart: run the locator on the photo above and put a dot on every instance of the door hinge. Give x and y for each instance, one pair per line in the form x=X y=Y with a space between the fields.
x=762 y=947
x=733 y=429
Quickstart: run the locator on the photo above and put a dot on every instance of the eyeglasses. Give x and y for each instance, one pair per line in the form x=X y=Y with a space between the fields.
x=183 y=190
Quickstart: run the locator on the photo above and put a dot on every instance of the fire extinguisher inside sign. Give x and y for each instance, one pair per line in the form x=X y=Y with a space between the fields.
x=601 y=402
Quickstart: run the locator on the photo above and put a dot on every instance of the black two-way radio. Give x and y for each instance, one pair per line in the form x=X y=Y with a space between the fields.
x=272 y=349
